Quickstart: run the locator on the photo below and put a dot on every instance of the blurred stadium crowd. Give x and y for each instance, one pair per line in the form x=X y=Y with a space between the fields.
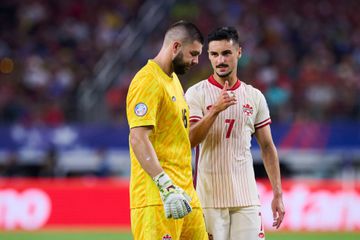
x=303 y=55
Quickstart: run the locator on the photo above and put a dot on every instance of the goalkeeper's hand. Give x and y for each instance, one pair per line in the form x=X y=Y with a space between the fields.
x=175 y=200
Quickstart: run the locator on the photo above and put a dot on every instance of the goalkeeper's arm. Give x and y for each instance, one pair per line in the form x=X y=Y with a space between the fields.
x=175 y=200
x=144 y=151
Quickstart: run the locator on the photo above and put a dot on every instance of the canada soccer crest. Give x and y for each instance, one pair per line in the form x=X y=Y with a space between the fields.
x=167 y=237
x=247 y=109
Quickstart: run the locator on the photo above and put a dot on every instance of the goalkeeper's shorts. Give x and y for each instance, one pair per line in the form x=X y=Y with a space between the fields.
x=150 y=223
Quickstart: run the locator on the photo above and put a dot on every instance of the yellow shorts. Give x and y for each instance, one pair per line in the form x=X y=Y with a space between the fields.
x=150 y=223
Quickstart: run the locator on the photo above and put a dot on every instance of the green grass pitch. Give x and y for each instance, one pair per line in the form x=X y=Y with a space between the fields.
x=103 y=235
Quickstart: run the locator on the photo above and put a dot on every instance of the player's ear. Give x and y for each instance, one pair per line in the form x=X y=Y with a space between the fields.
x=176 y=47
x=239 y=53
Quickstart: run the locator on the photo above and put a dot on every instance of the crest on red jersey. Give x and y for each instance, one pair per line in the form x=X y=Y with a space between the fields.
x=247 y=109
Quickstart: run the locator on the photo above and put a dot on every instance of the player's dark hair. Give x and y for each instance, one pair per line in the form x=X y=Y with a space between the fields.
x=192 y=32
x=224 y=33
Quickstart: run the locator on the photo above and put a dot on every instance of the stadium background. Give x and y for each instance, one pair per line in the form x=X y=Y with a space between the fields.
x=64 y=71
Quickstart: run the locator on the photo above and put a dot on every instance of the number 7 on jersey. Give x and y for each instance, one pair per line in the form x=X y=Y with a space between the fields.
x=230 y=127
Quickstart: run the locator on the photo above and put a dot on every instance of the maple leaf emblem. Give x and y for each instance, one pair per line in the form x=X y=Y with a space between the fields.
x=247 y=109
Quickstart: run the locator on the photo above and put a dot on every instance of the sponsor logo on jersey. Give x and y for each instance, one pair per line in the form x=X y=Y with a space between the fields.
x=140 y=109
x=247 y=109
x=167 y=237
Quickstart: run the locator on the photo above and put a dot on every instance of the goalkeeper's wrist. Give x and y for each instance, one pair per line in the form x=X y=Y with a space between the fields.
x=162 y=180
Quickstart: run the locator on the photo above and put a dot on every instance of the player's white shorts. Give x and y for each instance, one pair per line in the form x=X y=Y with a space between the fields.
x=240 y=223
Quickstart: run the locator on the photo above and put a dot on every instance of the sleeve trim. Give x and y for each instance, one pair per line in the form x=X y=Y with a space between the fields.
x=262 y=122
x=195 y=117
x=263 y=125
x=194 y=120
x=142 y=123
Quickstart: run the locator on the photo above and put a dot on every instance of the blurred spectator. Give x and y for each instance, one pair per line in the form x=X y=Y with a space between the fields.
x=11 y=167
x=48 y=168
x=115 y=99
x=104 y=168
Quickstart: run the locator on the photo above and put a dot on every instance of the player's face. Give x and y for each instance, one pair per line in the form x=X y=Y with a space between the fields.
x=224 y=56
x=187 y=57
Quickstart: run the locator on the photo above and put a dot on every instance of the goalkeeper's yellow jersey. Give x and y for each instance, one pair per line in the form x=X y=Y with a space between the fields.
x=155 y=99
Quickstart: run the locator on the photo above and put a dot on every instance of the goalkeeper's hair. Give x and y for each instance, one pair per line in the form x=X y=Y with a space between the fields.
x=224 y=33
x=185 y=32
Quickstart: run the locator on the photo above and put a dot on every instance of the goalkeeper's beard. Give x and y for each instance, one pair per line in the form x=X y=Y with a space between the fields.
x=179 y=65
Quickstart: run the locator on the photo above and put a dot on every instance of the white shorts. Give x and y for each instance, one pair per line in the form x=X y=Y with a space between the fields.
x=239 y=223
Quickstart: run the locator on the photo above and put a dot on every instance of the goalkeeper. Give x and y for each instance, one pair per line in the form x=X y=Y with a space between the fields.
x=163 y=201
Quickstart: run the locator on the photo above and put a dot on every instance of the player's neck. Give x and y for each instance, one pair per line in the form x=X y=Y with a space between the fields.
x=164 y=63
x=232 y=79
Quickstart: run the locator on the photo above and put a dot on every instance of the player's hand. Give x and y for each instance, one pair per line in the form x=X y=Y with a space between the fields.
x=225 y=99
x=176 y=201
x=278 y=210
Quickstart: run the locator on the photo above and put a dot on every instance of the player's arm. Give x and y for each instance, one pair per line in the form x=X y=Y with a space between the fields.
x=176 y=201
x=144 y=150
x=271 y=163
x=199 y=130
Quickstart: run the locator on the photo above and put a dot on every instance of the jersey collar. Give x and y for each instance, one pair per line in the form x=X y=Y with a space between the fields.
x=152 y=63
x=212 y=80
